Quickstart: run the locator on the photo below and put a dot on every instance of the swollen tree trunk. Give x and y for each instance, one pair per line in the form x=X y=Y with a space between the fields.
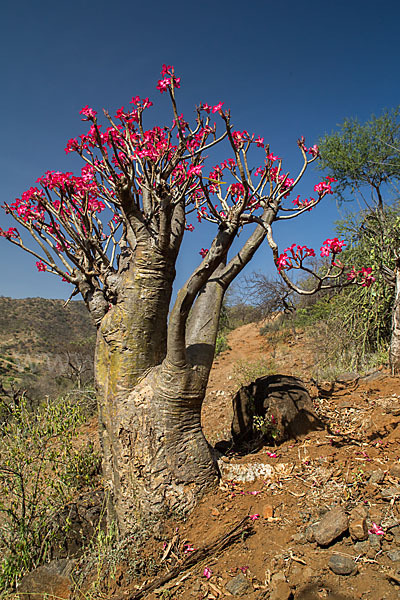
x=155 y=457
x=131 y=340
x=394 y=352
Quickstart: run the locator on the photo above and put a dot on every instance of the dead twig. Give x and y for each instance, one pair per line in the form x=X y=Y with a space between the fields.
x=242 y=528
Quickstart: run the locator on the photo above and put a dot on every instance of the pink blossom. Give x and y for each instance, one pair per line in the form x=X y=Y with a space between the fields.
x=272 y=454
x=207 y=573
x=260 y=142
x=163 y=84
x=283 y=262
x=272 y=157
x=203 y=252
x=333 y=246
x=41 y=266
x=89 y=113
x=166 y=69
x=217 y=107
x=314 y=150
x=206 y=107
x=188 y=548
x=254 y=517
x=376 y=529
x=194 y=170
x=11 y=233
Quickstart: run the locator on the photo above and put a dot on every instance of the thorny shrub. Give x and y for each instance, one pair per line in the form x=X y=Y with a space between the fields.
x=40 y=469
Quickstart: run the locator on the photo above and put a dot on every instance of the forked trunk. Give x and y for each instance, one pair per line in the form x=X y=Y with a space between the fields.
x=155 y=457
x=162 y=462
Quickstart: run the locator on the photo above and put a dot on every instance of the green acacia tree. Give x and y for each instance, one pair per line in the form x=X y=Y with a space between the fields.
x=365 y=161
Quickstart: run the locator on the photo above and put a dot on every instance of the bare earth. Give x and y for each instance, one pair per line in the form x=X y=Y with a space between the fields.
x=302 y=480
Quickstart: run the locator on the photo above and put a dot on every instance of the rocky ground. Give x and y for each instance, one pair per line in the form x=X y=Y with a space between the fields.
x=313 y=518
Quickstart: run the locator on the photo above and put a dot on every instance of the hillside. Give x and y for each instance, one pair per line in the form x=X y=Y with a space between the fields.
x=36 y=337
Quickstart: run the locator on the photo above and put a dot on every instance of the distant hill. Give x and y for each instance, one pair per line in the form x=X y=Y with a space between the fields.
x=40 y=325
x=39 y=338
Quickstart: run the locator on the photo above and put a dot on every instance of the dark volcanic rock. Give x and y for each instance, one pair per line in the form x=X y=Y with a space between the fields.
x=50 y=580
x=342 y=565
x=283 y=403
x=331 y=526
x=238 y=585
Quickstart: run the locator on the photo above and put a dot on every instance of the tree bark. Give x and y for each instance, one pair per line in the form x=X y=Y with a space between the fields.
x=394 y=352
x=131 y=340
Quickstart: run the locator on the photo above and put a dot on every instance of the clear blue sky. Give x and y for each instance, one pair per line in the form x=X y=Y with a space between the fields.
x=284 y=68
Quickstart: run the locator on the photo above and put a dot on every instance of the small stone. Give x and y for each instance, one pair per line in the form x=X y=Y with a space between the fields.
x=394 y=470
x=394 y=555
x=52 y=579
x=300 y=538
x=268 y=511
x=281 y=591
x=358 y=529
x=342 y=565
x=238 y=585
x=377 y=477
x=215 y=512
x=310 y=533
x=374 y=541
x=390 y=492
x=362 y=547
x=331 y=526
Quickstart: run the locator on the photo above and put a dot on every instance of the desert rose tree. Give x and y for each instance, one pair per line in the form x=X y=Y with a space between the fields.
x=114 y=232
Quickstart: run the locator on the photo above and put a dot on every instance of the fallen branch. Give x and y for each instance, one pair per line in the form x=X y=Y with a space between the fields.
x=243 y=527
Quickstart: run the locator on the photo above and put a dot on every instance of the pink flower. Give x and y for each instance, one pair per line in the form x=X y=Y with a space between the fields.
x=163 y=84
x=217 y=107
x=207 y=573
x=376 y=529
x=314 y=150
x=283 y=262
x=260 y=142
x=271 y=157
x=89 y=113
x=11 y=233
x=332 y=246
x=206 y=107
x=272 y=454
x=166 y=69
x=254 y=517
x=41 y=266
x=203 y=252
x=188 y=548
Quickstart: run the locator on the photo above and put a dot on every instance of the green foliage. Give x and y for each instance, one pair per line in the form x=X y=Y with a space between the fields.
x=221 y=343
x=39 y=471
x=363 y=154
x=245 y=371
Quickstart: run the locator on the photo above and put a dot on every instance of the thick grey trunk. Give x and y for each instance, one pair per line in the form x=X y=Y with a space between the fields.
x=162 y=462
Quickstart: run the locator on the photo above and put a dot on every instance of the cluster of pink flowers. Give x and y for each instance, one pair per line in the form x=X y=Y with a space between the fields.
x=314 y=150
x=303 y=203
x=164 y=84
x=334 y=246
x=366 y=279
x=212 y=109
x=298 y=254
x=11 y=233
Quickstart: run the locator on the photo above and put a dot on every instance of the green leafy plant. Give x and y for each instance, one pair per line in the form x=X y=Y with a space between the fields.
x=39 y=471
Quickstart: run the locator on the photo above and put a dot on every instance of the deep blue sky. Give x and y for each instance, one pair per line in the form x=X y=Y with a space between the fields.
x=284 y=68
